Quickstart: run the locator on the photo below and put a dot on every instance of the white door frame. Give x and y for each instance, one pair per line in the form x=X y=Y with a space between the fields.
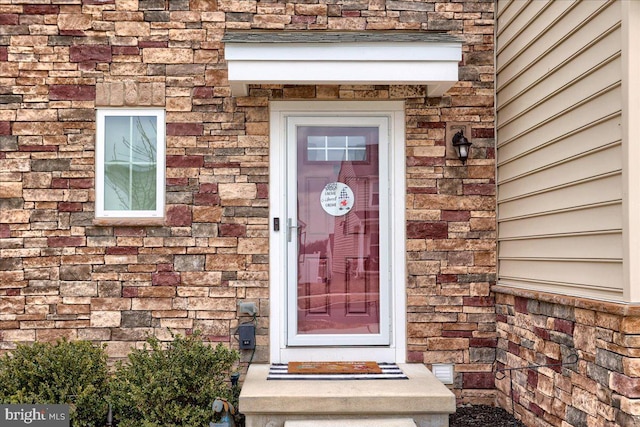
x=280 y=352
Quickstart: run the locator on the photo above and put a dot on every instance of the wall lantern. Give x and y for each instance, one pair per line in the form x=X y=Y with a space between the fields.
x=461 y=145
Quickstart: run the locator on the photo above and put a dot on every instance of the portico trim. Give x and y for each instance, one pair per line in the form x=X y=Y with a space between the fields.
x=292 y=57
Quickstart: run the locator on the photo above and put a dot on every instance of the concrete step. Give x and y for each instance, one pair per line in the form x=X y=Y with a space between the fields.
x=422 y=398
x=382 y=422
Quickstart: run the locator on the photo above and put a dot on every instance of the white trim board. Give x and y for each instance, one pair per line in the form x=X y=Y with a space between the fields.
x=343 y=59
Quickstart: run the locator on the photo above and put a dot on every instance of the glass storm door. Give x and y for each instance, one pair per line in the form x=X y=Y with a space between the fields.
x=337 y=282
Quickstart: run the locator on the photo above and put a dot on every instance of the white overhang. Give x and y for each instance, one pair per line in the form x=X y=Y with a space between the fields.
x=353 y=58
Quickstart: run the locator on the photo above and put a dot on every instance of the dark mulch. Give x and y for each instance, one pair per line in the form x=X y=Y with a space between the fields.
x=482 y=415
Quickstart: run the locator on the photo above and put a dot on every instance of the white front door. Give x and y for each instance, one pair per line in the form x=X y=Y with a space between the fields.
x=338 y=268
x=335 y=295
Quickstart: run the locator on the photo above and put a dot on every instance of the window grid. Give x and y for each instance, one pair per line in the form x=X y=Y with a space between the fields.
x=324 y=148
x=130 y=161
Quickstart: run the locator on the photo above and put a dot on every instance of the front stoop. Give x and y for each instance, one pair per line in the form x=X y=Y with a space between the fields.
x=382 y=422
x=422 y=398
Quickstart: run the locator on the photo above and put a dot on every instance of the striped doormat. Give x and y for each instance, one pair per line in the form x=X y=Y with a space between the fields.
x=388 y=371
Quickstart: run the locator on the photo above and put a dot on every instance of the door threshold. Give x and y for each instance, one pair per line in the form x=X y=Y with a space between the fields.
x=338 y=354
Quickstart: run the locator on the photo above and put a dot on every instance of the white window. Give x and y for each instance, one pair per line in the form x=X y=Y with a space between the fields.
x=130 y=163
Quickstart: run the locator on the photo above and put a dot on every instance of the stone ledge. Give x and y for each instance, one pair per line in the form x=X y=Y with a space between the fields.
x=618 y=308
x=129 y=222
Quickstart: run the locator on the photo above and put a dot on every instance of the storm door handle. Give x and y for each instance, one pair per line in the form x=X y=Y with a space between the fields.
x=290 y=227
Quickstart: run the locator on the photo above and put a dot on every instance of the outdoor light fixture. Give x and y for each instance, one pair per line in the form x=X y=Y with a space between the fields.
x=461 y=145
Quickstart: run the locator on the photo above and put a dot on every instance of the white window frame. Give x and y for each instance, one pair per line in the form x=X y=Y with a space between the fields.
x=100 y=211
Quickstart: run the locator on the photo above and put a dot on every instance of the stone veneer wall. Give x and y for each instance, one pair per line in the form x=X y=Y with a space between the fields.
x=602 y=389
x=64 y=275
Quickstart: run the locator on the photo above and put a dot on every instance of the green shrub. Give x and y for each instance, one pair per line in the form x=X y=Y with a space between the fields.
x=171 y=386
x=73 y=373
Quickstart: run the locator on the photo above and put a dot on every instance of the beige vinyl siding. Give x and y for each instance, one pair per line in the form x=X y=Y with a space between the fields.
x=559 y=146
x=573 y=246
